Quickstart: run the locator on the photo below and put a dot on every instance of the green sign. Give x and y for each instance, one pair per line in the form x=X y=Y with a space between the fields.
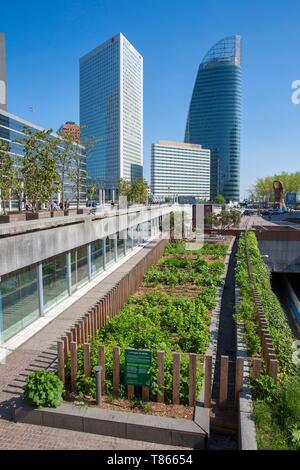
x=137 y=367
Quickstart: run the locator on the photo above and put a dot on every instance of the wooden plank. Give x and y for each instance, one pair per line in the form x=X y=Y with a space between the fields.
x=223 y=393
x=161 y=375
x=239 y=379
x=61 y=360
x=176 y=378
x=87 y=359
x=256 y=370
x=208 y=381
x=116 y=370
x=73 y=350
x=192 y=378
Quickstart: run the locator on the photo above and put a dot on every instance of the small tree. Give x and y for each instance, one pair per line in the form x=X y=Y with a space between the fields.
x=219 y=199
x=139 y=191
x=38 y=166
x=7 y=173
x=235 y=218
x=77 y=174
x=125 y=189
x=64 y=159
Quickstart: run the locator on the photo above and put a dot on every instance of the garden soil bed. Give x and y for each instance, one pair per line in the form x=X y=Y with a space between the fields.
x=153 y=408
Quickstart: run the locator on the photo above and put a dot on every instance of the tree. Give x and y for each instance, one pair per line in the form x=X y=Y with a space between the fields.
x=38 y=166
x=235 y=218
x=77 y=172
x=64 y=159
x=7 y=173
x=219 y=199
x=136 y=191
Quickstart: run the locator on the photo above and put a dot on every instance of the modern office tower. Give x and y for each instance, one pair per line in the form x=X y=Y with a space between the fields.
x=11 y=128
x=72 y=129
x=111 y=112
x=214 y=117
x=179 y=169
x=2 y=72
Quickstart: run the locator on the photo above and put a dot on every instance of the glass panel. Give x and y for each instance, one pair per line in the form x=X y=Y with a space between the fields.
x=110 y=250
x=19 y=303
x=135 y=235
x=129 y=241
x=97 y=257
x=82 y=265
x=55 y=280
x=120 y=245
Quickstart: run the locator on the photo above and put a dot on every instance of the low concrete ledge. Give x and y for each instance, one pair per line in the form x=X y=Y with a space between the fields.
x=170 y=431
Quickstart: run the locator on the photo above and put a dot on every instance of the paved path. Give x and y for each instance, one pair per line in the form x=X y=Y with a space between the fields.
x=40 y=352
x=18 y=436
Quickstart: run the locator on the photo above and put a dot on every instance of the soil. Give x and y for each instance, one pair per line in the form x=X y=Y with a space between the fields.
x=149 y=408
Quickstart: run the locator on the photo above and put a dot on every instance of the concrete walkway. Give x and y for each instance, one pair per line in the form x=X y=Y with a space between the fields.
x=40 y=352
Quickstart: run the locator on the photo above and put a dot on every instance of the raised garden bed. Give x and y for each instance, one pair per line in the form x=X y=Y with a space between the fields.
x=58 y=213
x=37 y=215
x=12 y=217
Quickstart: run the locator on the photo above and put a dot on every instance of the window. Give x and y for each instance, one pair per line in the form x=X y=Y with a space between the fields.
x=55 y=280
x=19 y=303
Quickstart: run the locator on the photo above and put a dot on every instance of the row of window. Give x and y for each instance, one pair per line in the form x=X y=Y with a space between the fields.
x=30 y=292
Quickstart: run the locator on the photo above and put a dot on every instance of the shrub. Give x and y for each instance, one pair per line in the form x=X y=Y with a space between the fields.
x=44 y=388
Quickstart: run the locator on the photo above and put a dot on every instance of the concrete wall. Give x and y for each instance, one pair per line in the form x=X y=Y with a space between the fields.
x=284 y=255
x=29 y=247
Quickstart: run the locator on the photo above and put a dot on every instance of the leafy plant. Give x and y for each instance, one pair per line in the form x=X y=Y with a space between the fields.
x=44 y=388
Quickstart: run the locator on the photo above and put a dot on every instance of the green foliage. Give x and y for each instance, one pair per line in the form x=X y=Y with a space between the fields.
x=158 y=320
x=264 y=388
x=219 y=199
x=38 y=166
x=264 y=186
x=7 y=173
x=135 y=191
x=44 y=388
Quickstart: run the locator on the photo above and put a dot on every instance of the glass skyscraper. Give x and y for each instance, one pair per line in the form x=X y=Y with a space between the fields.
x=214 y=117
x=111 y=111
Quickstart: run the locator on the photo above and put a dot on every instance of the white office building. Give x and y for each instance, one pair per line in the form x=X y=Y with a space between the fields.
x=179 y=169
x=111 y=112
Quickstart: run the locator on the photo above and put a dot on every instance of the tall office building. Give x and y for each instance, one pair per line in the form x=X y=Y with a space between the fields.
x=179 y=169
x=111 y=112
x=2 y=72
x=214 y=117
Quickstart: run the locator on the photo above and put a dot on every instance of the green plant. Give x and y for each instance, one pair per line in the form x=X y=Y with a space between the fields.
x=44 y=388
x=264 y=388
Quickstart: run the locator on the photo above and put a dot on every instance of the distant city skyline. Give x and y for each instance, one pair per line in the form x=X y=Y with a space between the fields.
x=43 y=76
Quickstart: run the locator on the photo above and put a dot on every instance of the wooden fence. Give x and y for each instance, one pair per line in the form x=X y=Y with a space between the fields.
x=268 y=352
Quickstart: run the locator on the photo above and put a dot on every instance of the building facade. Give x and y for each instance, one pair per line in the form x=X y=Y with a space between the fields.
x=2 y=72
x=11 y=129
x=45 y=268
x=214 y=117
x=71 y=128
x=111 y=112
x=180 y=169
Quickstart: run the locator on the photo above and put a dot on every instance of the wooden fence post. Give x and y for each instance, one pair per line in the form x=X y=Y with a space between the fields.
x=102 y=364
x=257 y=363
x=239 y=378
x=161 y=375
x=87 y=359
x=61 y=360
x=223 y=383
x=208 y=381
x=273 y=369
x=176 y=378
x=145 y=393
x=65 y=341
x=116 y=370
x=73 y=349
x=130 y=391
x=192 y=378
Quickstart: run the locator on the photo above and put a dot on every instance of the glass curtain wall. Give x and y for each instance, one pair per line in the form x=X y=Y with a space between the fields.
x=110 y=250
x=121 y=244
x=55 y=286
x=97 y=257
x=19 y=302
x=79 y=267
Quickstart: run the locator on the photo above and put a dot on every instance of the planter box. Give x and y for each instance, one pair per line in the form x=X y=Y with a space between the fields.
x=37 y=215
x=12 y=217
x=83 y=211
x=171 y=431
x=58 y=213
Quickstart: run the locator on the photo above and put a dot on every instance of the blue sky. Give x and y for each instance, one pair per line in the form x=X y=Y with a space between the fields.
x=46 y=39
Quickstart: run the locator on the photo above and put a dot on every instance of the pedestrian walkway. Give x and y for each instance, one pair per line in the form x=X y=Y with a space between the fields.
x=18 y=436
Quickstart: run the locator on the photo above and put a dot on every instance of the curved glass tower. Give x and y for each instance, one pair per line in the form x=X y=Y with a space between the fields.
x=214 y=118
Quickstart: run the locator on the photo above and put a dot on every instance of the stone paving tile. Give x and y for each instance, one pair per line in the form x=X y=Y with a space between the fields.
x=18 y=436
